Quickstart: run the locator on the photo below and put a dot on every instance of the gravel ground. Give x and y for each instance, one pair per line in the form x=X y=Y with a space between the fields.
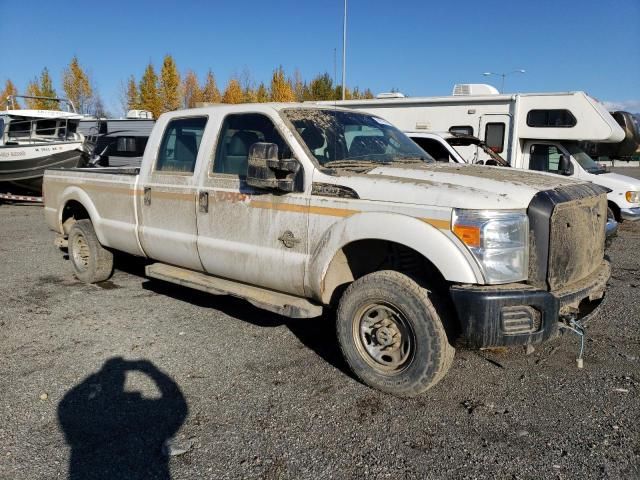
x=255 y=395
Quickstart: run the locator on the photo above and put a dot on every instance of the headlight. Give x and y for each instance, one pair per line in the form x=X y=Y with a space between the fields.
x=499 y=241
x=632 y=197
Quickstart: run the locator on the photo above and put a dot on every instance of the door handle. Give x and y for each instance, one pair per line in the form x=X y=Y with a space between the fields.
x=147 y=196
x=203 y=202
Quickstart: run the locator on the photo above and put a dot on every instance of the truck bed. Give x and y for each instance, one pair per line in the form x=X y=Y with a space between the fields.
x=111 y=194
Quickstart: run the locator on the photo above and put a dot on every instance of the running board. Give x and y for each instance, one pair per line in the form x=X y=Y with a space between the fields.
x=282 y=303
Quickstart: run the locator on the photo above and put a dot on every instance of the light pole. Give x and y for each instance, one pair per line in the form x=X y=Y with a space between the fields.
x=344 y=51
x=503 y=75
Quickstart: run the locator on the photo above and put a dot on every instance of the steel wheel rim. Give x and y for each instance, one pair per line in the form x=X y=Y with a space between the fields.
x=81 y=252
x=384 y=338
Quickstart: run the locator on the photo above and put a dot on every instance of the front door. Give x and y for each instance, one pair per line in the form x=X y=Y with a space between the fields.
x=168 y=230
x=248 y=234
x=494 y=131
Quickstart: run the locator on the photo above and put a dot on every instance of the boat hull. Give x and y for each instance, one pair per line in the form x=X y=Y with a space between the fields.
x=24 y=166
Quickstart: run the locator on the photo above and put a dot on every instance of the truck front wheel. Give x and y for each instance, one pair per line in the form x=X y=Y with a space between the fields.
x=91 y=261
x=391 y=335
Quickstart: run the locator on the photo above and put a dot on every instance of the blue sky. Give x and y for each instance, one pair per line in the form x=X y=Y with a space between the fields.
x=418 y=47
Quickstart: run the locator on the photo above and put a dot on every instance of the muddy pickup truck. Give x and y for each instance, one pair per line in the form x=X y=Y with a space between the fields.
x=301 y=209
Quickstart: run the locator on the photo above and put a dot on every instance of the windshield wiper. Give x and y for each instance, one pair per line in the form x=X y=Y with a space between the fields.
x=353 y=163
x=410 y=160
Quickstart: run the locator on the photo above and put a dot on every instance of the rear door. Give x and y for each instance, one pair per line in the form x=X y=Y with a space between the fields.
x=168 y=193
x=495 y=132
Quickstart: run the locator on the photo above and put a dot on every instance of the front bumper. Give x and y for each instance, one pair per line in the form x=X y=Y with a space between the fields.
x=518 y=314
x=631 y=214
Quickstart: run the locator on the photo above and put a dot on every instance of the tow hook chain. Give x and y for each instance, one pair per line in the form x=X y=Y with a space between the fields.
x=576 y=327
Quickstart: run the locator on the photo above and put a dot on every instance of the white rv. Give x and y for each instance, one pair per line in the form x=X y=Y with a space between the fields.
x=536 y=131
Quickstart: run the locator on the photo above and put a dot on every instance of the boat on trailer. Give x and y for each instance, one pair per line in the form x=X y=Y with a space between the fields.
x=32 y=141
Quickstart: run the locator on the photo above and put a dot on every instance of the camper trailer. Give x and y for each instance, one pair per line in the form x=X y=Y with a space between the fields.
x=535 y=131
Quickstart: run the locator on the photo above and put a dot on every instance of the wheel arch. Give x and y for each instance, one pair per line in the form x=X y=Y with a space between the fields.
x=334 y=265
x=76 y=204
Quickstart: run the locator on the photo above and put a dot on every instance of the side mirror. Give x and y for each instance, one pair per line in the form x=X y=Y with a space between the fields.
x=564 y=165
x=265 y=170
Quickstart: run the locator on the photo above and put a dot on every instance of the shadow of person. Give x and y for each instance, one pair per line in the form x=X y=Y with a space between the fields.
x=116 y=434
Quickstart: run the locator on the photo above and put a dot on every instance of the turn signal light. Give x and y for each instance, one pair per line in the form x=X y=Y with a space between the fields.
x=469 y=234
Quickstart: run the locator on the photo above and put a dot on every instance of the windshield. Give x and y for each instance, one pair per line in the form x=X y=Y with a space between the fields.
x=343 y=139
x=583 y=159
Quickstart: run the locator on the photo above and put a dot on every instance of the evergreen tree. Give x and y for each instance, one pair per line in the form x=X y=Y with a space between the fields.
x=9 y=89
x=76 y=86
x=210 y=92
x=368 y=94
x=262 y=94
x=191 y=91
x=281 y=90
x=321 y=88
x=233 y=92
x=169 y=85
x=149 y=96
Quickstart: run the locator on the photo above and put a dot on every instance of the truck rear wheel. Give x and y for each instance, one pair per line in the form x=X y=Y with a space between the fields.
x=391 y=335
x=91 y=261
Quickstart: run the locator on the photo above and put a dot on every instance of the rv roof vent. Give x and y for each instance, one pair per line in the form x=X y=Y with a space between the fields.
x=474 y=89
x=390 y=95
x=140 y=114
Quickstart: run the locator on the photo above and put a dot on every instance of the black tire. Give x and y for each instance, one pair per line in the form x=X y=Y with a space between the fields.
x=91 y=261
x=391 y=336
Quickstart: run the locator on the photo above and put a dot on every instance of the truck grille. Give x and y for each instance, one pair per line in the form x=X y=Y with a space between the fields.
x=577 y=240
x=567 y=234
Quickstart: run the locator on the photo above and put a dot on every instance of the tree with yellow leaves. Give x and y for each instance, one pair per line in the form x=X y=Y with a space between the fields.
x=132 y=95
x=42 y=87
x=233 y=93
x=76 y=86
x=9 y=89
x=149 y=97
x=191 y=91
x=169 y=85
x=210 y=92
x=281 y=90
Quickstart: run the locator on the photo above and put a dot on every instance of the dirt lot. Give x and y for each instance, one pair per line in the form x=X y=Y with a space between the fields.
x=255 y=395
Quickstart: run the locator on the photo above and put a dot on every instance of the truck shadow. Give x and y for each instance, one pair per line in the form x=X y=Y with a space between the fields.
x=317 y=334
x=117 y=434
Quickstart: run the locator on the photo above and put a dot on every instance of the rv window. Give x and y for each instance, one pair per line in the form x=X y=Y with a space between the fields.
x=126 y=144
x=461 y=130
x=551 y=119
x=544 y=158
x=494 y=136
x=180 y=144
x=45 y=127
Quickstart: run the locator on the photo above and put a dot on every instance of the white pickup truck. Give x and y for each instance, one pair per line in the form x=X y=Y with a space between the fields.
x=297 y=208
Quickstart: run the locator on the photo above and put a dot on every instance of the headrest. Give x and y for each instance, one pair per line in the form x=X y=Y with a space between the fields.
x=240 y=143
x=313 y=137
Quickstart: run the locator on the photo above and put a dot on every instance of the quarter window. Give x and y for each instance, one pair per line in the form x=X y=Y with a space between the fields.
x=461 y=130
x=551 y=119
x=494 y=136
x=544 y=158
x=180 y=144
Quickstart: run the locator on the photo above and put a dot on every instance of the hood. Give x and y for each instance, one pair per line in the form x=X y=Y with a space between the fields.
x=615 y=181
x=456 y=185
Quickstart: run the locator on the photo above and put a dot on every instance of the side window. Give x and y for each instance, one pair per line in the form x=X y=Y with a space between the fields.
x=238 y=133
x=544 y=158
x=494 y=136
x=551 y=119
x=434 y=148
x=461 y=130
x=180 y=143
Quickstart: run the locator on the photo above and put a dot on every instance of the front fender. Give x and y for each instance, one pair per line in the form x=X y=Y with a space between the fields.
x=438 y=246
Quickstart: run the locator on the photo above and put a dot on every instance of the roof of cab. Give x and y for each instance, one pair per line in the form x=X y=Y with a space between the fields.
x=247 y=107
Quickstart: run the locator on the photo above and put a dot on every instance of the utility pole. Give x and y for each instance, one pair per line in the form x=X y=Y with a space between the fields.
x=344 y=52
